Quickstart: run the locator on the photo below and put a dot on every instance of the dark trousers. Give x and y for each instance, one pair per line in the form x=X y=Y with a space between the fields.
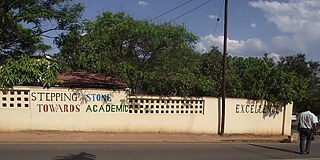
x=305 y=134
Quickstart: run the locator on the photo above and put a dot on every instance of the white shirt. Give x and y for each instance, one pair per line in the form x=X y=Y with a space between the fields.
x=315 y=119
x=307 y=119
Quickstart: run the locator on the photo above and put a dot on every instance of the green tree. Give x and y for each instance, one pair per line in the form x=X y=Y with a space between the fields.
x=262 y=78
x=130 y=50
x=28 y=71
x=211 y=68
x=309 y=72
x=24 y=23
x=72 y=56
x=247 y=77
x=177 y=73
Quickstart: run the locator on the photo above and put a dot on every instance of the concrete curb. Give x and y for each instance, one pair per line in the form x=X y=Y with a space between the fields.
x=107 y=137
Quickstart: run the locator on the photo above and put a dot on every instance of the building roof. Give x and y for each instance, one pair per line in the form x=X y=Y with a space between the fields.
x=83 y=79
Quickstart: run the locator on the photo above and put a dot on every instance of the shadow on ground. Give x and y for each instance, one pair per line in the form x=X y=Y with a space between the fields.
x=80 y=156
x=273 y=148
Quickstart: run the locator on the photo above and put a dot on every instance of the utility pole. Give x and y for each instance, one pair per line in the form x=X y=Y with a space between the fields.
x=224 y=73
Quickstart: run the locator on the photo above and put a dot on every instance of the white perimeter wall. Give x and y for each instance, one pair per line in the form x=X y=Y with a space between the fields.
x=35 y=108
x=256 y=117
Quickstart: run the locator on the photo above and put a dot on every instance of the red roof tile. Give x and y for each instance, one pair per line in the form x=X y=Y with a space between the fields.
x=89 y=79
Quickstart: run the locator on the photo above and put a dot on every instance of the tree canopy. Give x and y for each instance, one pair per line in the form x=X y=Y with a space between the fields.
x=262 y=78
x=137 y=52
x=308 y=71
x=24 y=23
x=28 y=71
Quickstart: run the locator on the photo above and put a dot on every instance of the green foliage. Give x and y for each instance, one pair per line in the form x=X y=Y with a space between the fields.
x=28 y=71
x=308 y=71
x=176 y=73
x=23 y=23
x=71 y=57
x=262 y=78
x=159 y=59
x=211 y=68
x=130 y=50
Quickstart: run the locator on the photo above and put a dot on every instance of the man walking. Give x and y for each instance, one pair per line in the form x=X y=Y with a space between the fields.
x=306 y=125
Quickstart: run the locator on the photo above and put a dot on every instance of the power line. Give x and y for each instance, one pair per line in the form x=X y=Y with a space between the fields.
x=215 y=28
x=190 y=11
x=171 y=10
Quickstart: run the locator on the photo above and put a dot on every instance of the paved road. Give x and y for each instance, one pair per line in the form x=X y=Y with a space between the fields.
x=163 y=151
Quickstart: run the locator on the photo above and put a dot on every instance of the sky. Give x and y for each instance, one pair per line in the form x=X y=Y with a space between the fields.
x=255 y=27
